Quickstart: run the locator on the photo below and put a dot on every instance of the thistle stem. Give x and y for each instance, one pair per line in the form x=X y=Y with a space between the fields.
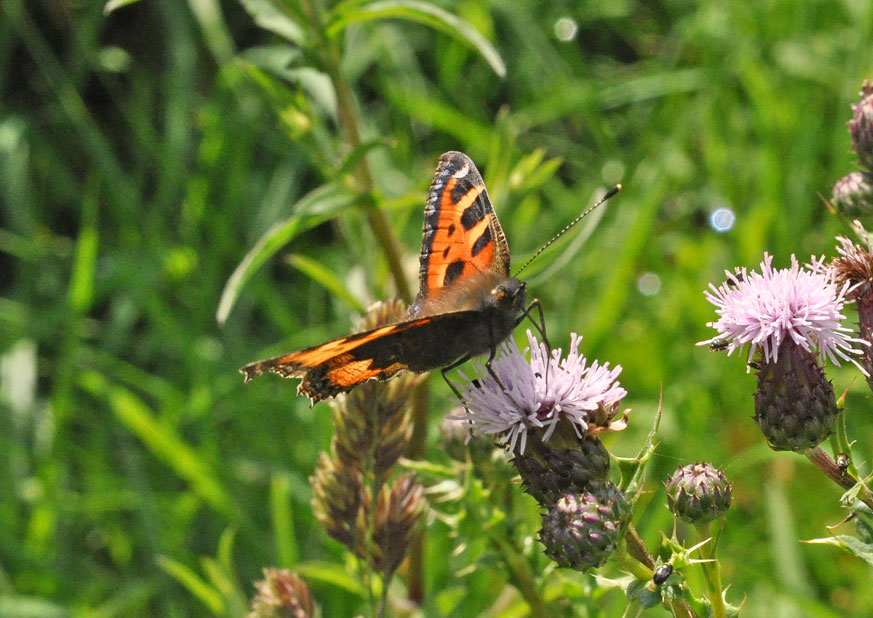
x=637 y=548
x=712 y=573
x=521 y=576
x=823 y=462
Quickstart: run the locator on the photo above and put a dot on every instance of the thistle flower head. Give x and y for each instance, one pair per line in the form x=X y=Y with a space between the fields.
x=541 y=392
x=853 y=266
x=802 y=305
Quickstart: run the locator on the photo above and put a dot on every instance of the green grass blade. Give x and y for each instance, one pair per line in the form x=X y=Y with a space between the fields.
x=283 y=522
x=162 y=440
x=317 y=207
x=332 y=574
x=112 y=5
x=423 y=13
x=193 y=583
x=274 y=17
x=321 y=275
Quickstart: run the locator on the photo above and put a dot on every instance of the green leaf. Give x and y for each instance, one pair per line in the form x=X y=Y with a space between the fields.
x=332 y=574
x=278 y=60
x=193 y=583
x=632 y=469
x=319 y=206
x=112 y=5
x=423 y=13
x=316 y=271
x=274 y=17
x=851 y=544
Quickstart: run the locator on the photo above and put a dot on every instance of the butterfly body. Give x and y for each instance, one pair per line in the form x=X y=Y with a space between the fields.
x=466 y=305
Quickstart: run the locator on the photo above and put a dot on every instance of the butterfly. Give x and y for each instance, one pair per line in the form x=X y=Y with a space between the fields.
x=467 y=301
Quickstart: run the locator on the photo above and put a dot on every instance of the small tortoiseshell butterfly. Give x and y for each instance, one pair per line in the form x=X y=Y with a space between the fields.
x=466 y=305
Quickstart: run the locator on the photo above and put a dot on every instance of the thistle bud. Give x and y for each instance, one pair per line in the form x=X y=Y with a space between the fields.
x=281 y=594
x=795 y=405
x=854 y=266
x=581 y=530
x=550 y=472
x=852 y=195
x=698 y=493
x=861 y=127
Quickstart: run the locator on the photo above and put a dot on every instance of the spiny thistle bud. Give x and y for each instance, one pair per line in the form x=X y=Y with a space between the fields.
x=281 y=594
x=581 y=530
x=795 y=405
x=852 y=195
x=861 y=127
x=549 y=472
x=698 y=493
x=398 y=513
x=854 y=267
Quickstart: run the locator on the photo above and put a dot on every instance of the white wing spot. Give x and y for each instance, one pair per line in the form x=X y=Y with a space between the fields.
x=462 y=172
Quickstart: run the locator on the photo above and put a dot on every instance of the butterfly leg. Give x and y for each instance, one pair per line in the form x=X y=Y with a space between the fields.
x=539 y=325
x=540 y=328
x=445 y=370
x=491 y=355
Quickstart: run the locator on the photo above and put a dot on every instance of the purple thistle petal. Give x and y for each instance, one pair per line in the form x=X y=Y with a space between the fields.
x=800 y=303
x=538 y=393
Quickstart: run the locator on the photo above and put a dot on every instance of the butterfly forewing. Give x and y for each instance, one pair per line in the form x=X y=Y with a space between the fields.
x=461 y=234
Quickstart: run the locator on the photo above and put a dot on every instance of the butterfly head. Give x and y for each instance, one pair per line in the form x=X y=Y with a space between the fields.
x=509 y=294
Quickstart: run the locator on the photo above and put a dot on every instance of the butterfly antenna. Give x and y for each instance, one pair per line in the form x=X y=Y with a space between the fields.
x=567 y=227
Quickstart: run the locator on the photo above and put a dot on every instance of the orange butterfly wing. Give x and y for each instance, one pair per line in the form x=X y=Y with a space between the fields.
x=461 y=234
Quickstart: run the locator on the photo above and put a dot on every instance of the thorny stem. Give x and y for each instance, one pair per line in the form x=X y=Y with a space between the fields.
x=823 y=462
x=634 y=558
x=712 y=573
x=637 y=548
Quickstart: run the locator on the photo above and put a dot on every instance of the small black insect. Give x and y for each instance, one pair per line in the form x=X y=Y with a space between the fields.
x=843 y=462
x=717 y=345
x=662 y=574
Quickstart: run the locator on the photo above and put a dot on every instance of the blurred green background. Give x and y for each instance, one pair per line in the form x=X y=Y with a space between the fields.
x=145 y=152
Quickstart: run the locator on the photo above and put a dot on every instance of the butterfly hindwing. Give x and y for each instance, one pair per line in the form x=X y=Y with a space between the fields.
x=461 y=234
x=415 y=345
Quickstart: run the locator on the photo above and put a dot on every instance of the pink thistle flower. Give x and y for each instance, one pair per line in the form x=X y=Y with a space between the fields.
x=802 y=305
x=540 y=392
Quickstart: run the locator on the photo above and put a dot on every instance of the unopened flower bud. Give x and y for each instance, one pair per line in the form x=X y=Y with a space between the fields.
x=852 y=195
x=861 y=127
x=581 y=530
x=698 y=493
